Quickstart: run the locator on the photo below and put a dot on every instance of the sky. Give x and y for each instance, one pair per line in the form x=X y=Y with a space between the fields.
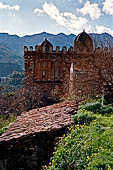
x=27 y=17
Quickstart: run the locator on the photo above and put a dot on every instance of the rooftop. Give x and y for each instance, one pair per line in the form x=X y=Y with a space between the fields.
x=44 y=119
x=46 y=43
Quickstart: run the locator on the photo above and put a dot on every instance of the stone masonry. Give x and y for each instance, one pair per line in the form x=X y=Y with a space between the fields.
x=66 y=71
x=29 y=142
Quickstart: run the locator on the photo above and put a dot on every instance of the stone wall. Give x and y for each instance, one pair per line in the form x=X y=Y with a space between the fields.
x=29 y=153
x=54 y=66
x=29 y=142
x=92 y=73
x=86 y=80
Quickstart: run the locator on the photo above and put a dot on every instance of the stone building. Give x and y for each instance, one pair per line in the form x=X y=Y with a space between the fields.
x=29 y=142
x=64 y=71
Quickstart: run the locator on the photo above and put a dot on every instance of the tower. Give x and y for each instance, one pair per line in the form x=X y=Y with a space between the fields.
x=83 y=43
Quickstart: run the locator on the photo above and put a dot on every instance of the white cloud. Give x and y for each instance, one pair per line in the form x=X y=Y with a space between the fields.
x=102 y=29
x=108 y=7
x=70 y=21
x=91 y=9
x=8 y=7
x=52 y=11
x=38 y=11
x=67 y=19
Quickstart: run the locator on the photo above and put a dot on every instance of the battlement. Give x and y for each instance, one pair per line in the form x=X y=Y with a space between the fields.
x=38 y=49
x=46 y=65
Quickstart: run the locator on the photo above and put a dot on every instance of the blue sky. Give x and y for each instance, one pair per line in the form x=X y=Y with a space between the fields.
x=26 y=17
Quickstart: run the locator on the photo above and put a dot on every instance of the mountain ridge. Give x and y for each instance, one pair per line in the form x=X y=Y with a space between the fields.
x=12 y=46
x=16 y=42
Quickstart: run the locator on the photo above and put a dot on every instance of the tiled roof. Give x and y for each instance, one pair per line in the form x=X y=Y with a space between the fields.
x=39 y=120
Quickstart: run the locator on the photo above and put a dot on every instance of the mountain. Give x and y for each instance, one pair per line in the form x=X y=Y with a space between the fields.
x=9 y=54
x=9 y=61
x=12 y=46
x=103 y=40
x=17 y=43
x=8 y=68
x=59 y=39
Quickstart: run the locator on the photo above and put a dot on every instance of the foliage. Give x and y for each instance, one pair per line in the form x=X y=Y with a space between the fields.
x=8 y=68
x=83 y=117
x=11 y=83
x=16 y=78
x=106 y=110
x=5 y=123
x=3 y=130
x=97 y=107
x=25 y=99
x=86 y=147
x=93 y=107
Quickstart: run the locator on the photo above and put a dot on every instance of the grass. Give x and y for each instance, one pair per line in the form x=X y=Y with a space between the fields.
x=87 y=146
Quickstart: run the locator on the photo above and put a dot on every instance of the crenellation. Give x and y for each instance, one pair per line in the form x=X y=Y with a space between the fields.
x=64 y=49
x=55 y=67
x=25 y=49
x=98 y=50
x=70 y=49
x=57 y=49
x=80 y=72
x=31 y=49
x=52 y=66
x=36 y=48
x=105 y=49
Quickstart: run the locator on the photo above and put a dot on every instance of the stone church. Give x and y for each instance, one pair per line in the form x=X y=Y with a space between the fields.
x=64 y=70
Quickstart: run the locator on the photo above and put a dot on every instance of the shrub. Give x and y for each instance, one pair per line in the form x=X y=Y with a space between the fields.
x=3 y=130
x=83 y=117
x=106 y=110
x=86 y=148
x=5 y=123
x=97 y=107
x=93 y=107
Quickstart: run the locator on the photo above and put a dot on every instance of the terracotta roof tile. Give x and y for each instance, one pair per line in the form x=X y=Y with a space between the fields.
x=37 y=120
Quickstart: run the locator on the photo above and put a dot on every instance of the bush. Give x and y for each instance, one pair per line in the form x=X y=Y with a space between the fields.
x=97 y=107
x=106 y=110
x=86 y=148
x=93 y=107
x=89 y=145
x=3 y=130
x=5 y=123
x=83 y=117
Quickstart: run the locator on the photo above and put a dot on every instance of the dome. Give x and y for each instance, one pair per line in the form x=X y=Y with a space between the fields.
x=46 y=44
x=83 y=43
